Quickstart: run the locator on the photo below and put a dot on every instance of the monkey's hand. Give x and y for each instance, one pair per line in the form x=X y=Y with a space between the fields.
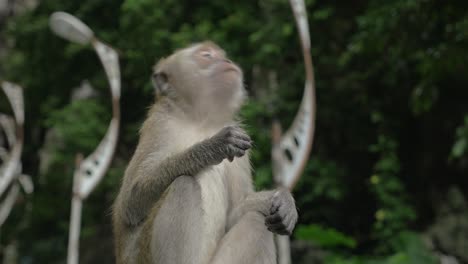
x=283 y=214
x=230 y=142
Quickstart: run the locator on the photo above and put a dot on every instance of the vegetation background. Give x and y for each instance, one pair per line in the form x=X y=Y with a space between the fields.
x=386 y=181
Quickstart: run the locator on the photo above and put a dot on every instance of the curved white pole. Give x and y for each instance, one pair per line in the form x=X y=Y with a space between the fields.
x=90 y=171
x=291 y=150
x=11 y=167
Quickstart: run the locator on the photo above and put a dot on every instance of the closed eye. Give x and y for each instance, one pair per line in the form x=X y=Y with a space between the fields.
x=206 y=54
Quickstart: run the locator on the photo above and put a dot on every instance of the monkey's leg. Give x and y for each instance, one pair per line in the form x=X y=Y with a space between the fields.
x=247 y=242
x=175 y=238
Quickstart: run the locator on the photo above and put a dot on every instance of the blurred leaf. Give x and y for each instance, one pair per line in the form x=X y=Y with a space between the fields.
x=325 y=237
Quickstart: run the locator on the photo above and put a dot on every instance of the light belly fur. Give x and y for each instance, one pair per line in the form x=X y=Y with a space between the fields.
x=214 y=193
x=214 y=206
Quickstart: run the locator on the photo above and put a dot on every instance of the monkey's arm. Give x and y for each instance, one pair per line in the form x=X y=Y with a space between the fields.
x=277 y=206
x=153 y=177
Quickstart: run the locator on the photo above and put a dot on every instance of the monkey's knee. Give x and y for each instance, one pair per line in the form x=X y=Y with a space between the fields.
x=248 y=241
x=255 y=219
x=175 y=235
x=264 y=239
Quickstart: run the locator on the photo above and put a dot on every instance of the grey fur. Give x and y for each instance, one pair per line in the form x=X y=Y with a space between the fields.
x=187 y=194
x=230 y=142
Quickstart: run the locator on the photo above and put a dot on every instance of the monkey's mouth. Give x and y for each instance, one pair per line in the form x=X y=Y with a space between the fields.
x=226 y=67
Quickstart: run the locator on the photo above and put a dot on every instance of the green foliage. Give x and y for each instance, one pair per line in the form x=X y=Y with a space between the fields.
x=460 y=147
x=322 y=188
x=391 y=92
x=409 y=249
x=324 y=237
x=69 y=121
x=393 y=212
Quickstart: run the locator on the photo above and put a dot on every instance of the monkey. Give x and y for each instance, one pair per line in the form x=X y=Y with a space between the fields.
x=187 y=194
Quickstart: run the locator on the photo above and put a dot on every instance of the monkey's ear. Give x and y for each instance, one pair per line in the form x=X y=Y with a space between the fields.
x=160 y=83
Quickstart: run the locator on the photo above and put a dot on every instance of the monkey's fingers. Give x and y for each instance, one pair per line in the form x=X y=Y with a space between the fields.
x=237 y=152
x=291 y=216
x=244 y=145
x=242 y=136
x=279 y=228
x=282 y=232
x=291 y=226
x=232 y=130
x=275 y=205
x=291 y=219
x=274 y=208
x=236 y=128
x=273 y=219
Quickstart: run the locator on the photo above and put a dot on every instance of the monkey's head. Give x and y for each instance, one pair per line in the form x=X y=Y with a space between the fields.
x=202 y=79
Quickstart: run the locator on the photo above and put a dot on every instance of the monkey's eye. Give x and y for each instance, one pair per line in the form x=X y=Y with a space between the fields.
x=206 y=54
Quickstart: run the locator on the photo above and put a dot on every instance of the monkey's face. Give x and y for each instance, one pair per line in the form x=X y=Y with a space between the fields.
x=202 y=75
x=217 y=77
x=213 y=63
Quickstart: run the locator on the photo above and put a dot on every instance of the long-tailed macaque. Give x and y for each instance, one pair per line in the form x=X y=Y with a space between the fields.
x=187 y=194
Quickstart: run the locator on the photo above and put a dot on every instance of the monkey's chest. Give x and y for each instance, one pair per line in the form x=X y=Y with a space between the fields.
x=214 y=197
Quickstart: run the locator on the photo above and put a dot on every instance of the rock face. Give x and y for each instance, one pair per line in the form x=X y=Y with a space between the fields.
x=449 y=233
